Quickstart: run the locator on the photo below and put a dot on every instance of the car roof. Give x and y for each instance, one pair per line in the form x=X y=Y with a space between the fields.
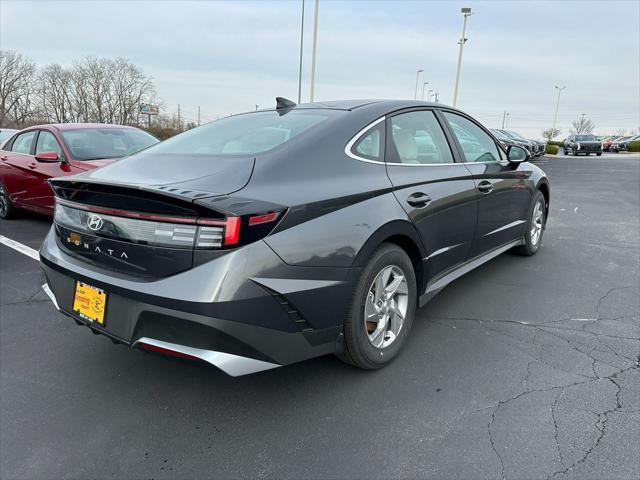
x=79 y=126
x=355 y=104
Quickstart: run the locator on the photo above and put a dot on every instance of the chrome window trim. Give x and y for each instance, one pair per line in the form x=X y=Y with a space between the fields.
x=357 y=136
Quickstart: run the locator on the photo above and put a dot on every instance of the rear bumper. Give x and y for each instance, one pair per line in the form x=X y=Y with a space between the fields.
x=244 y=312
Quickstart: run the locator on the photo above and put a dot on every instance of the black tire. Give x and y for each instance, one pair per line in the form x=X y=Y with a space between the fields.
x=7 y=210
x=564 y=151
x=575 y=152
x=358 y=349
x=599 y=154
x=531 y=246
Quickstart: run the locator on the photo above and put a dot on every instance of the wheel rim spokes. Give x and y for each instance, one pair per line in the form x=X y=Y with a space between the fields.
x=537 y=223
x=386 y=306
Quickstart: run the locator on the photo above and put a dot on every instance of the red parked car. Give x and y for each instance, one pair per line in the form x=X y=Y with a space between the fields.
x=34 y=155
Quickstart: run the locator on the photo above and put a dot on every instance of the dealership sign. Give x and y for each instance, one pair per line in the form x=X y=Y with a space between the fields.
x=149 y=109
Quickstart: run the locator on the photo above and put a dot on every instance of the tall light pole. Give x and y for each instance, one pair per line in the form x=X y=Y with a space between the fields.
x=301 y=44
x=436 y=95
x=429 y=95
x=506 y=122
x=555 y=117
x=313 y=51
x=415 y=95
x=424 y=85
x=466 y=12
x=504 y=118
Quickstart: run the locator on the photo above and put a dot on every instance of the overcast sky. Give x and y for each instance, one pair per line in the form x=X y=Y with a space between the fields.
x=228 y=56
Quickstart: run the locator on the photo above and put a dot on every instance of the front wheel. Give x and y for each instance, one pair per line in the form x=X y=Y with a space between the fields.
x=599 y=154
x=535 y=226
x=382 y=309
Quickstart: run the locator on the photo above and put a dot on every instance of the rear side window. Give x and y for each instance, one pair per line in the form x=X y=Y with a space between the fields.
x=476 y=144
x=246 y=134
x=23 y=142
x=418 y=139
x=370 y=146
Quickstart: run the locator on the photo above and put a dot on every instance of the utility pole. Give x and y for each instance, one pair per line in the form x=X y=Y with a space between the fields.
x=436 y=97
x=506 y=123
x=555 y=117
x=179 y=124
x=301 y=44
x=504 y=117
x=198 y=115
x=313 y=51
x=465 y=12
x=415 y=93
x=424 y=85
x=429 y=95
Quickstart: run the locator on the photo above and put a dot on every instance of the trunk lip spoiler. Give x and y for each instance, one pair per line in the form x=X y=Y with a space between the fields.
x=189 y=220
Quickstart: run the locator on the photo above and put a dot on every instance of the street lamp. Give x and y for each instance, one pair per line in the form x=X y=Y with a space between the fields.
x=466 y=12
x=555 y=117
x=301 y=45
x=424 y=85
x=429 y=95
x=415 y=95
x=313 y=51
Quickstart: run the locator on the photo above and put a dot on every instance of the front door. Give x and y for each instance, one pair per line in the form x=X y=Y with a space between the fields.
x=503 y=198
x=437 y=193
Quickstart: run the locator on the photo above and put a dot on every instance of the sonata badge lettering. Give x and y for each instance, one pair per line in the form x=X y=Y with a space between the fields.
x=76 y=239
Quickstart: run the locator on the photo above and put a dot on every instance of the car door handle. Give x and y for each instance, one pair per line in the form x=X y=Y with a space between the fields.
x=419 y=200
x=485 y=187
x=32 y=165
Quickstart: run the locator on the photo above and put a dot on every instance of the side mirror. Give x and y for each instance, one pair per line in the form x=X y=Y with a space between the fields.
x=48 y=157
x=516 y=154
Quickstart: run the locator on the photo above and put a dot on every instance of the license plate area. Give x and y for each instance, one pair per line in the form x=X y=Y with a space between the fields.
x=90 y=303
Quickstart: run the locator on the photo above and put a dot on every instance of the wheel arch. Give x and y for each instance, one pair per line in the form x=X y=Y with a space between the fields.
x=543 y=187
x=404 y=235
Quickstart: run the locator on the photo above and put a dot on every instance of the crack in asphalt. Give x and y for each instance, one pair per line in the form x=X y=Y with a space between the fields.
x=602 y=417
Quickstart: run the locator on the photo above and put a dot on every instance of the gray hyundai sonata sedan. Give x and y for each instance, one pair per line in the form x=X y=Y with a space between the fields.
x=270 y=237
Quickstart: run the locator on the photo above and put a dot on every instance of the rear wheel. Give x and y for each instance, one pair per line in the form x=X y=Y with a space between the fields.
x=7 y=210
x=382 y=309
x=599 y=154
x=534 y=227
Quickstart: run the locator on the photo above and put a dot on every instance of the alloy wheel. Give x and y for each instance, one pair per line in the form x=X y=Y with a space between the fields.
x=3 y=202
x=385 y=308
x=537 y=223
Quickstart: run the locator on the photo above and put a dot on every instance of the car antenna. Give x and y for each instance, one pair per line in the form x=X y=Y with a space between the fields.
x=283 y=105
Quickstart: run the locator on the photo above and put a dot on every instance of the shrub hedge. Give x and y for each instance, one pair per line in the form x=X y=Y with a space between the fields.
x=634 y=146
x=552 y=149
x=557 y=144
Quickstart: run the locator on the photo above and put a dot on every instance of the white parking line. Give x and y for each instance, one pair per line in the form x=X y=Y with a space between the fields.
x=28 y=251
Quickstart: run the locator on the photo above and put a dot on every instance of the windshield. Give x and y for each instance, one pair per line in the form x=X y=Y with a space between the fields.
x=98 y=143
x=245 y=134
x=515 y=135
x=586 y=138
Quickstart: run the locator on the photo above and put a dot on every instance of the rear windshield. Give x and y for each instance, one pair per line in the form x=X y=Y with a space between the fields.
x=586 y=138
x=99 y=143
x=245 y=134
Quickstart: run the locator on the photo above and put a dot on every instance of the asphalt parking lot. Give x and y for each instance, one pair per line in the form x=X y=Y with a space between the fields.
x=525 y=368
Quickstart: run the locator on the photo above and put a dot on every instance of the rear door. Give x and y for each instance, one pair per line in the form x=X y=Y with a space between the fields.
x=437 y=192
x=501 y=191
x=17 y=165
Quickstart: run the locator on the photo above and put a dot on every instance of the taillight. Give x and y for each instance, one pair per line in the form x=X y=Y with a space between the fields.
x=165 y=231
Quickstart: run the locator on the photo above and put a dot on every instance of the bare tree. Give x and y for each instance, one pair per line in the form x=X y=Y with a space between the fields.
x=55 y=93
x=582 y=125
x=550 y=133
x=16 y=88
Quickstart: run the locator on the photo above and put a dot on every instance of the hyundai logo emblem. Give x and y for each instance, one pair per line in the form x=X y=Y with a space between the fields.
x=95 y=222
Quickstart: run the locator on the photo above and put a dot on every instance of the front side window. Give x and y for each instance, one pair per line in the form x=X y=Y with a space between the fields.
x=477 y=145
x=101 y=143
x=47 y=143
x=23 y=142
x=246 y=134
x=418 y=139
